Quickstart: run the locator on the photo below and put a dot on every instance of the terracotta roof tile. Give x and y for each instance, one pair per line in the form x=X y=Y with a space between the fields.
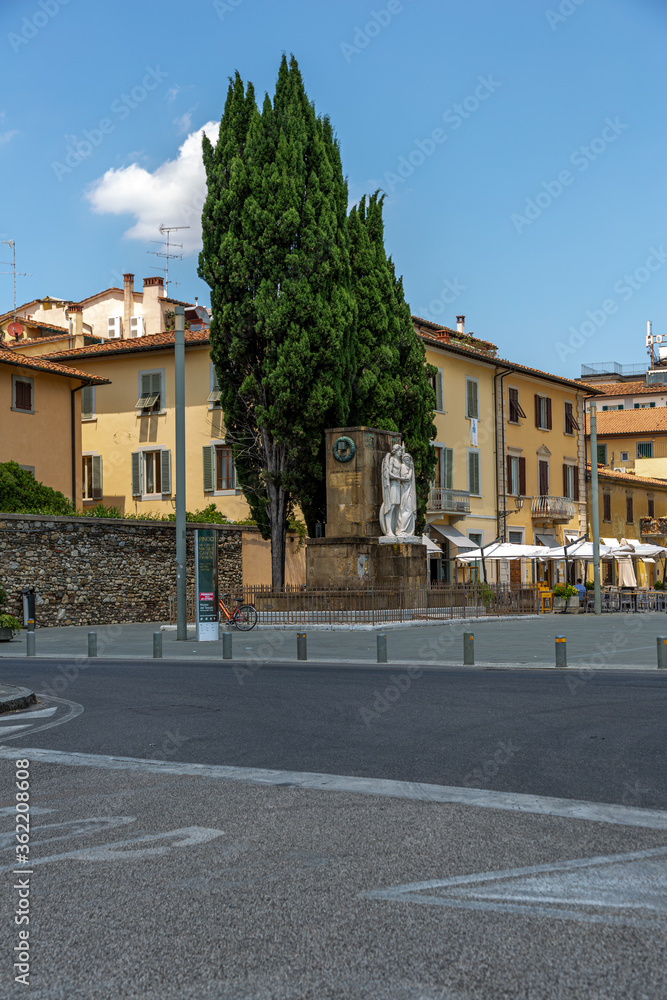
x=624 y=388
x=153 y=342
x=604 y=473
x=643 y=421
x=9 y=357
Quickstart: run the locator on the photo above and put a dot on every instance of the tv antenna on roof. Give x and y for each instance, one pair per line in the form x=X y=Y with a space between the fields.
x=167 y=252
x=14 y=329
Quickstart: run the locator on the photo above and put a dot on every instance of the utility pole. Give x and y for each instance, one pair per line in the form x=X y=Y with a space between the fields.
x=179 y=394
x=595 y=512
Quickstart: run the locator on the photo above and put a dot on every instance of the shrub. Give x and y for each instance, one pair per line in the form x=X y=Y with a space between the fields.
x=658 y=585
x=565 y=590
x=21 y=493
x=8 y=621
x=589 y=585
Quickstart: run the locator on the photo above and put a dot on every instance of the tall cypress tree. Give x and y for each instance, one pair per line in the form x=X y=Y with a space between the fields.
x=276 y=257
x=392 y=388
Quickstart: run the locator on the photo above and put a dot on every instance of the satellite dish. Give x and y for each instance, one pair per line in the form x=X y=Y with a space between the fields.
x=15 y=330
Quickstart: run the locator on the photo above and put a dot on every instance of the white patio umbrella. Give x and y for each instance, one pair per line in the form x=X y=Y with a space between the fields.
x=626 y=571
x=582 y=550
x=501 y=550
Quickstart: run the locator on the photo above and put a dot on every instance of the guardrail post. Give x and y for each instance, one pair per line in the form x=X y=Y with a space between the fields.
x=662 y=652
x=301 y=650
x=226 y=645
x=382 y=648
x=561 y=651
x=468 y=649
x=92 y=644
x=157 y=645
x=30 y=644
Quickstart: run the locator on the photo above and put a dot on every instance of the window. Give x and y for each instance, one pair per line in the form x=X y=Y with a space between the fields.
x=643 y=406
x=477 y=537
x=214 y=389
x=629 y=515
x=651 y=507
x=151 y=393
x=606 y=506
x=515 y=537
x=644 y=449
x=22 y=393
x=472 y=398
x=438 y=385
x=219 y=469
x=516 y=476
x=443 y=474
x=151 y=473
x=625 y=456
x=474 y=486
x=88 y=402
x=543 y=477
x=571 y=424
x=602 y=454
x=515 y=410
x=618 y=407
x=91 y=477
x=570 y=482
x=543 y=412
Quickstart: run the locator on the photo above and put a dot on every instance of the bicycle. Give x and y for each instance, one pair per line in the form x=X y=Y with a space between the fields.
x=244 y=616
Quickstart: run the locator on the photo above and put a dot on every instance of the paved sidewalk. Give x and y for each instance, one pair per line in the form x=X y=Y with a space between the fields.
x=608 y=641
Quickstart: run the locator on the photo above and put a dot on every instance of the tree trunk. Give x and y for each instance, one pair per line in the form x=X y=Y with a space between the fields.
x=278 y=534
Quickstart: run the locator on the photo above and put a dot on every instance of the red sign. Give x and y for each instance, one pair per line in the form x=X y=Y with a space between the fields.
x=206 y=597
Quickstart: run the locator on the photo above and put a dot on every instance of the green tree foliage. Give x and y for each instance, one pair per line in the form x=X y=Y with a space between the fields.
x=21 y=493
x=392 y=388
x=276 y=257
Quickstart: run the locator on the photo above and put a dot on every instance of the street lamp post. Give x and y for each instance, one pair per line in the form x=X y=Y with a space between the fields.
x=179 y=398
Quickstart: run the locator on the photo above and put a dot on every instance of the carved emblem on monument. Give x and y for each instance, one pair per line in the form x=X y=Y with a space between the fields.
x=398 y=512
x=344 y=449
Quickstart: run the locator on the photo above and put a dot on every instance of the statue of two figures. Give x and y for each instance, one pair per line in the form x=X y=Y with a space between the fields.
x=398 y=512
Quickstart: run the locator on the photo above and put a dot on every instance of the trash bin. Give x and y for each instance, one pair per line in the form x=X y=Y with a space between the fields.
x=28 y=594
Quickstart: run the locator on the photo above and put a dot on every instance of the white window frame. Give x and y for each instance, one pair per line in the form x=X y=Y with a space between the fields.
x=213 y=387
x=163 y=409
x=544 y=412
x=572 y=472
x=143 y=450
x=223 y=493
x=93 y=415
x=625 y=456
x=517 y=530
x=23 y=378
x=475 y=381
x=469 y=452
x=515 y=479
x=92 y=499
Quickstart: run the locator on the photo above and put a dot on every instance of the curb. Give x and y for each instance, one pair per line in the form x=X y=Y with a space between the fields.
x=13 y=698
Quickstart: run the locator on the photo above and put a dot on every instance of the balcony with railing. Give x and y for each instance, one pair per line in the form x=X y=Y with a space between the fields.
x=443 y=501
x=553 y=508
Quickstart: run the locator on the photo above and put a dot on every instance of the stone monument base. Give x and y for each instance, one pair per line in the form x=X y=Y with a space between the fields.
x=355 y=562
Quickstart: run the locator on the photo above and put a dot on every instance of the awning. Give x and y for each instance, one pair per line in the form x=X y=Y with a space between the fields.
x=454 y=536
x=431 y=547
x=613 y=542
x=548 y=540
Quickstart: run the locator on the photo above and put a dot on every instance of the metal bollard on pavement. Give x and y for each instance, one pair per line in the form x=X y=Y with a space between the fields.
x=30 y=644
x=468 y=649
x=157 y=645
x=92 y=644
x=301 y=649
x=382 y=648
x=226 y=645
x=561 y=651
x=662 y=652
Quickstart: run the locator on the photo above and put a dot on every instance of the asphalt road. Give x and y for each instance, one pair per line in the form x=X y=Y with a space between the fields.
x=599 y=737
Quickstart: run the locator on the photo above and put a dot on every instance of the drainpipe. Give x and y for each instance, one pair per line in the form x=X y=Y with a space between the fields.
x=75 y=457
x=501 y=520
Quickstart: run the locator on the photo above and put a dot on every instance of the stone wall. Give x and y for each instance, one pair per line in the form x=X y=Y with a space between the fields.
x=98 y=571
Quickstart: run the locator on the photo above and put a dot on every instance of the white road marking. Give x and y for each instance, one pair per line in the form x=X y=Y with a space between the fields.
x=38 y=713
x=189 y=836
x=599 y=812
x=12 y=729
x=65 y=831
x=72 y=710
x=622 y=889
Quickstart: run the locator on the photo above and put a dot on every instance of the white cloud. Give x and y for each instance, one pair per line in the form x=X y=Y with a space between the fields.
x=172 y=194
x=173 y=93
x=8 y=136
x=184 y=121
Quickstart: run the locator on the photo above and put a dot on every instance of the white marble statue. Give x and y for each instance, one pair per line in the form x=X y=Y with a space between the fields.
x=399 y=497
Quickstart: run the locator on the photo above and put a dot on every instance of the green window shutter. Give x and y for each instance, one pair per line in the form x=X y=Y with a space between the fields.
x=87 y=402
x=165 y=470
x=234 y=480
x=208 y=457
x=473 y=472
x=448 y=467
x=137 y=477
x=602 y=454
x=472 y=399
x=439 y=391
x=97 y=477
x=145 y=385
x=156 y=390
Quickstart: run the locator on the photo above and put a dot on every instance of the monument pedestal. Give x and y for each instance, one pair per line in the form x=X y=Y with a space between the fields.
x=353 y=555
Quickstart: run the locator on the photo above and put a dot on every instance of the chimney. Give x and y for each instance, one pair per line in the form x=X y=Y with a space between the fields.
x=442 y=335
x=460 y=324
x=153 y=292
x=128 y=302
x=75 y=314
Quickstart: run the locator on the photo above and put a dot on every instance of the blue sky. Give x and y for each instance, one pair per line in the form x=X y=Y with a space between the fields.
x=521 y=145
